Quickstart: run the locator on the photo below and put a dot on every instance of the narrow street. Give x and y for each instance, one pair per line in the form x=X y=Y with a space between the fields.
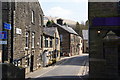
x=71 y=68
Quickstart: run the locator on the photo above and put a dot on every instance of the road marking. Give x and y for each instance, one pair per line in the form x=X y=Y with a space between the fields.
x=81 y=70
x=47 y=71
x=64 y=61
x=52 y=68
x=58 y=66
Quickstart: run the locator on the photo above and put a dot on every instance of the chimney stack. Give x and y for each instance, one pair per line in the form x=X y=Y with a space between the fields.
x=60 y=21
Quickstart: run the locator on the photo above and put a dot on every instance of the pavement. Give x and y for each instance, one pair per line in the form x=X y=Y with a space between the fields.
x=71 y=68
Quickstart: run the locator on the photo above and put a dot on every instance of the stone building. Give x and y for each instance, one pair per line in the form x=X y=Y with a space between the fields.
x=24 y=45
x=68 y=39
x=75 y=45
x=85 y=41
x=104 y=36
x=51 y=43
x=79 y=42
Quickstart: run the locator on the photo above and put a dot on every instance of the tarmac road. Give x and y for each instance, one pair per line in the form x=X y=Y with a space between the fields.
x=73 y=68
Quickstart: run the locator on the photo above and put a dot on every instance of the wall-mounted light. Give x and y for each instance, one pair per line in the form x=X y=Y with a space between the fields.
x=98 y=32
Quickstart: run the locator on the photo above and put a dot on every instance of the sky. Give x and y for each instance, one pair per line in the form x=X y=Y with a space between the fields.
x=76 y=10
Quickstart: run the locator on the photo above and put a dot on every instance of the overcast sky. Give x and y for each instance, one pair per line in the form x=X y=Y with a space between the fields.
x=76 y=10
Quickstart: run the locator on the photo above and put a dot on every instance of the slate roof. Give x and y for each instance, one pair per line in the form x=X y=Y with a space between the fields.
x=68 y=29
x=49 y=31
x=85 y=34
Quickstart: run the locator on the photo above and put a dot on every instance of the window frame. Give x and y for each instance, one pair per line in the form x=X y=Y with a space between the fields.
x=27 y=40
x=40 y=45
x=33 y=17
x=33 y=40
x=51 y=42
x=46 y=42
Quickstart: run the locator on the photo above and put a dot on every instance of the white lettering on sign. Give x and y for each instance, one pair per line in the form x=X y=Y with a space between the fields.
x=3 y=42
x=18 y=31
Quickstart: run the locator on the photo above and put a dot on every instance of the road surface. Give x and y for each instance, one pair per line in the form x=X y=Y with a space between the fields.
x=73 y=68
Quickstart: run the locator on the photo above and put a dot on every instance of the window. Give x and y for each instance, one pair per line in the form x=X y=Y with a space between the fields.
x=81 y=41
x=28 y=62
x=46 y=42
x=56 y=41
x=50 y=42
x=40 y=20
x=33 y=40
x=27 y=39
x=33 y=17
x=41 y=41
x=61 y=38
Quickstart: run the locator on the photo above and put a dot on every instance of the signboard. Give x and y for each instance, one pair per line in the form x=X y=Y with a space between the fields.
x=18 y=31
x=3 y=35
x=7 y=26
x=106 y=21
x=3 y=42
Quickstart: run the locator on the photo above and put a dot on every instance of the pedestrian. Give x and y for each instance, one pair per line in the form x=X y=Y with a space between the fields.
x=45 y=58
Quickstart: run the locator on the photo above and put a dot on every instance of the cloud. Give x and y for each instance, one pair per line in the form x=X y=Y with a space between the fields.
x=65 y=1
x=59 y=12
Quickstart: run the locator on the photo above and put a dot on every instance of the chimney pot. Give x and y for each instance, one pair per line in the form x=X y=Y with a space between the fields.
x=60 y=21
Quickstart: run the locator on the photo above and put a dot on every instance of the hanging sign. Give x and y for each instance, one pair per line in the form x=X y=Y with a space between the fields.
x=3 y=35
x=7 y=26
x=3 y=42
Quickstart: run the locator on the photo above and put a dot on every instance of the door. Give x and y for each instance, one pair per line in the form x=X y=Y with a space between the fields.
x=32 y=63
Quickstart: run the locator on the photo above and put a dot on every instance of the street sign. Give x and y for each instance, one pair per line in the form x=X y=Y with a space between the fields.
x=7 y=26
x=3 y=42
x=106 y=21
x=18 y=31
x=3 y=35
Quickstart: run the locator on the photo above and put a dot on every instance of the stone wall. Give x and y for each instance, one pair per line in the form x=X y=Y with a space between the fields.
x=23 y=21
x=65 y=44
x=99 y=64
x=19 y=15
x=11 y=72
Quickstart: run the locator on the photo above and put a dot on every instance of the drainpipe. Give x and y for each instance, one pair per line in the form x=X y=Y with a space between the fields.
x=12 y=30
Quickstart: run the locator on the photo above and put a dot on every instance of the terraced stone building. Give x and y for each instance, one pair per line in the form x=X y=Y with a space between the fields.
x=24 y=39
x=70 y=41
x=104 y=39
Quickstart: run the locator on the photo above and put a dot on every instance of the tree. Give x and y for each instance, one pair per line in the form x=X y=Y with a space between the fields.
x=49 y=23
x=79 y=27
x=65 y=24
x=87 y=23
